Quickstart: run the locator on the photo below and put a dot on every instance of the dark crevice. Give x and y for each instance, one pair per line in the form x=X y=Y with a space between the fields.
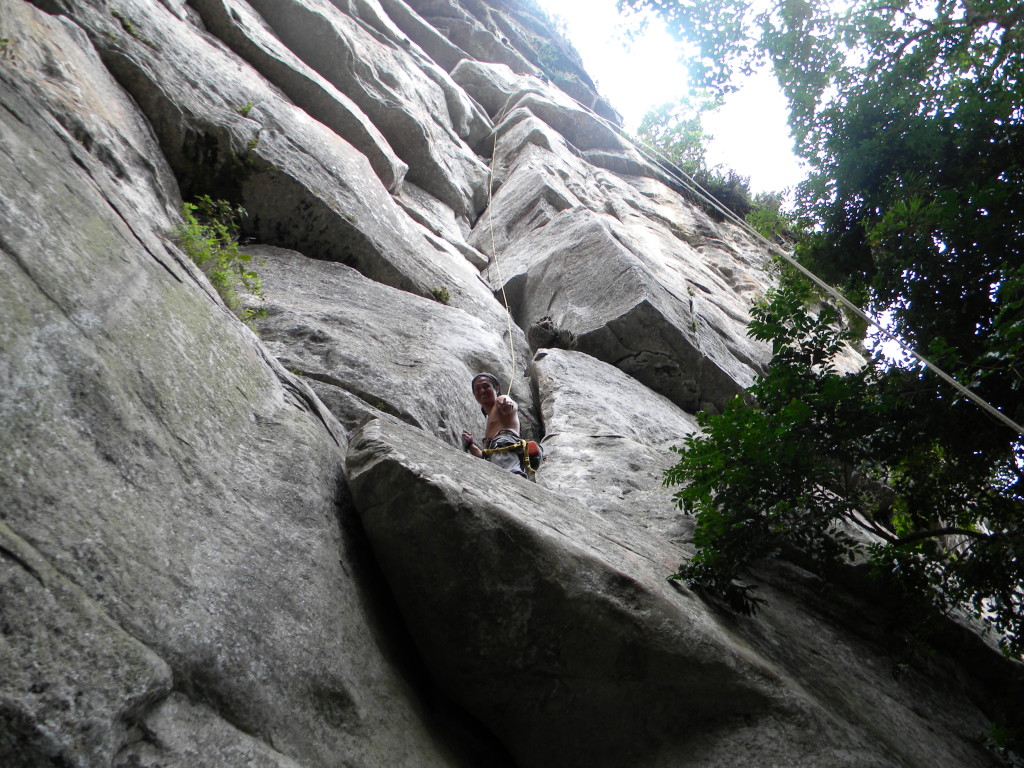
x=10 y=554
x=470 y=743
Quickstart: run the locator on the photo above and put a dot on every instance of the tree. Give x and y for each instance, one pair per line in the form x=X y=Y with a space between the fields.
x=815 y=455
x=910 y=115
x=675 y=130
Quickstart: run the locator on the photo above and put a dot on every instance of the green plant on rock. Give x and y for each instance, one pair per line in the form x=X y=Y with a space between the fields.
x=909 y=117
x=676 y=131
x=209 y=235
x=244 y=111
x=767 y=217
x=251 y=145
x=129 y=26
x=441 y=295
x=1005 y=743
x=126 y=24
x=6 y=49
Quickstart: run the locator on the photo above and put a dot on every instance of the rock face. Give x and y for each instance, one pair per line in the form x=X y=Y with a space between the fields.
x=227 y=548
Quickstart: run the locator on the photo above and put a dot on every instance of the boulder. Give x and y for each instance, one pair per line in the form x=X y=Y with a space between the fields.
x=626 y=161
x=534 y=182
x=557 y=627
x=636 y=298
x=608 y=439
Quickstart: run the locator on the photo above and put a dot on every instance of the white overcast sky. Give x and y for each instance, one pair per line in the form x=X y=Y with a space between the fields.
x=750 y=131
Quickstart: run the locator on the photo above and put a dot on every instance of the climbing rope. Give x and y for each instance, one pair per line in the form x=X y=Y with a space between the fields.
x=494 y=250
x=786 y=256
x=687 y=182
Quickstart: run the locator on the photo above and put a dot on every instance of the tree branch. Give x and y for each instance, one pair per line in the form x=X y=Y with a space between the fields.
x=935 y=533
x=872 y=527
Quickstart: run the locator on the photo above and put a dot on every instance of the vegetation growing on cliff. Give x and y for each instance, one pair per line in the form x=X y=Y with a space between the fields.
x=911 y=118
x=676 y=131
x=6 y=49
x=209 y=235
x=819 y=455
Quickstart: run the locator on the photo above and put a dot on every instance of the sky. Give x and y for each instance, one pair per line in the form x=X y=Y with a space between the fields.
x=750 y=131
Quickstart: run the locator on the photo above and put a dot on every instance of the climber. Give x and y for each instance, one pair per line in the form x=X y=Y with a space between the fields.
x=502 y=428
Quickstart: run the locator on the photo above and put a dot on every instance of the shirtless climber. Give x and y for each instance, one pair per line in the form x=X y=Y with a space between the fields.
x=502 y=427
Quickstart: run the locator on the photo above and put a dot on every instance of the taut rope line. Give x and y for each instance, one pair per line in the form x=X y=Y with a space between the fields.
x=494 y=251
x=679 y=175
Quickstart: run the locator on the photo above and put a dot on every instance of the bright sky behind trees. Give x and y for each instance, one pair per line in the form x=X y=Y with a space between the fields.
x=750 y=132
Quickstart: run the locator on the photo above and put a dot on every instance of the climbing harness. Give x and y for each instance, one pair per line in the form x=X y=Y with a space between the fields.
x=530 y=460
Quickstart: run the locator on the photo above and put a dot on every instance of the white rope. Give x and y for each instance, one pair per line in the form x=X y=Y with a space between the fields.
x=830 y=290
x=686 y=181
x=490 y=229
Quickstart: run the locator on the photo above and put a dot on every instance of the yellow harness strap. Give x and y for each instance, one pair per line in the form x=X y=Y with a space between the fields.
x=521 y=445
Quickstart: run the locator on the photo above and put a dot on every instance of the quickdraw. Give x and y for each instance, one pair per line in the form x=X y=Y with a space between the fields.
x=532 y=456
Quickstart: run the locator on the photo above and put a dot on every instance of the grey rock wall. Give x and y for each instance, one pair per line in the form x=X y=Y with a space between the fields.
x=228 y=548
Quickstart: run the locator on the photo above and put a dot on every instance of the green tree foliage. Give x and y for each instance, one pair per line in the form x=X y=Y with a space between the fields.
x=675 y=130
x=768 y=218
x=910 y=115
x=840 y=465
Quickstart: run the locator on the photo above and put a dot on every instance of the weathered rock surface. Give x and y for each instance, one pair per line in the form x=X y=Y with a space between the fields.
x=237 y=25
x=201 y=567
x=175 y=500
x=183 y=734
x=303 y=186
x=558 y=628
x=88 y=679
x=608 y=438
x=381 y=345
x=635 y=289
x=473 y=30
x=414 y=104
x=516 y=35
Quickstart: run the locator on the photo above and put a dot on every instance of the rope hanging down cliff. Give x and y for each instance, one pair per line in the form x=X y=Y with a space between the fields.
x=494 y=252
x=677 y=174
x=686 y=181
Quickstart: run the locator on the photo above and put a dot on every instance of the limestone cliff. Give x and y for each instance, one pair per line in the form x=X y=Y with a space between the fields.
x=227 y=548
